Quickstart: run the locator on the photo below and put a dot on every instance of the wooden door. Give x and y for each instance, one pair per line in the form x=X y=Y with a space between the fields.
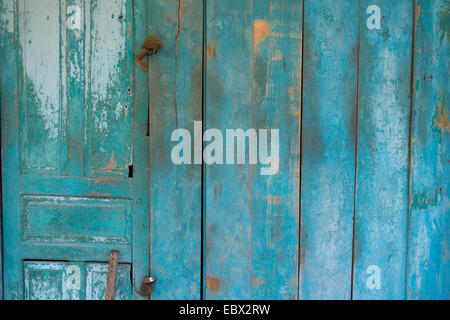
x=74 y=147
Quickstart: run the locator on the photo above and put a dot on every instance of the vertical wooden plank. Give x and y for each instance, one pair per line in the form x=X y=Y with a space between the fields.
x=328 y=142
x=175 y=102
x=277 y=46
x=8 y=76
x=228 y=203
x=383 y=151
x=429 y=220
x=141 y=172
x=11 y=66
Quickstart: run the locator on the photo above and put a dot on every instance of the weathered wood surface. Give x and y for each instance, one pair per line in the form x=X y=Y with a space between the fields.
x=112 y=275
x=175 y=102
x=73 y=281
x=253 y=80
x=74 y=125
x=358 y=208
x=384 y=103
x=328 y=148
x=429 y=226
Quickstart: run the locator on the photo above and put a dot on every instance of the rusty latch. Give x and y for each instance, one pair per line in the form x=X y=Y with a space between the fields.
x=112 y=275
x=150 y=47
x=146 y=286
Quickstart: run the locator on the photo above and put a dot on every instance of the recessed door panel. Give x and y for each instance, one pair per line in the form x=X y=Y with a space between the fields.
x=73 y=281
x=50 y=219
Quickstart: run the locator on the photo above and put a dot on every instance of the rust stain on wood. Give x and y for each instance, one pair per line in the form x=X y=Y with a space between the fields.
x=260 y=31
x=112 y=275
x=213 y=284
x=417 y=15
x=255 y=281
x=210 y=51
x=441 y=120
x=112 y=165
x=105 y=179
x=180 y=7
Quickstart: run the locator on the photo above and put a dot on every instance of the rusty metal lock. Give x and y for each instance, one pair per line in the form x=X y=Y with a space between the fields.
x=147 y=286
x=150 y=47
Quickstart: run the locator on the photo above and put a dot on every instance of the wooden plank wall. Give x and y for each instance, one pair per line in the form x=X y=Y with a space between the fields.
x=359 y=208
x=350 y=107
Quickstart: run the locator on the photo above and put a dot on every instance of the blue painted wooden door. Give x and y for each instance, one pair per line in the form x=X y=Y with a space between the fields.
x=74 y=147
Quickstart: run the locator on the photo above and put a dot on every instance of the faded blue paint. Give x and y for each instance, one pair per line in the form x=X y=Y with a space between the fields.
x=429 y=227
x=228 y=188
x=328 y=144
x=334 y=218
x=175 y=191
x=73 y=281
x=74 y=122
x=253 y=80
x=277 y=75
x=383 y=151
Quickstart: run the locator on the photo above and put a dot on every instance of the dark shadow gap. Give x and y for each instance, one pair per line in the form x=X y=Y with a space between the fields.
x=415 y=18
x=301 y=156
x=203 y=182
x=355 y=187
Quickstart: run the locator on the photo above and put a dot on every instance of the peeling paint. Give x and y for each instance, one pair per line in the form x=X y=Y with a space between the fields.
x=260 y=31
x=417 y=15
x=213 y=284
x=176 y=59
x=5 y=13
x=105 y=179
x=112 y=165
x=210 y=51
x=441 y=120
x=444 y=22
x=425 y=200
x=41 y=73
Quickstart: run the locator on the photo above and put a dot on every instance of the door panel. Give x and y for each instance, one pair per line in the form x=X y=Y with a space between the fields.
x=81 y=186
x=73 y=281
x=42 y=119
x=96 y=277
x=76 y=220
x=109 y=113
